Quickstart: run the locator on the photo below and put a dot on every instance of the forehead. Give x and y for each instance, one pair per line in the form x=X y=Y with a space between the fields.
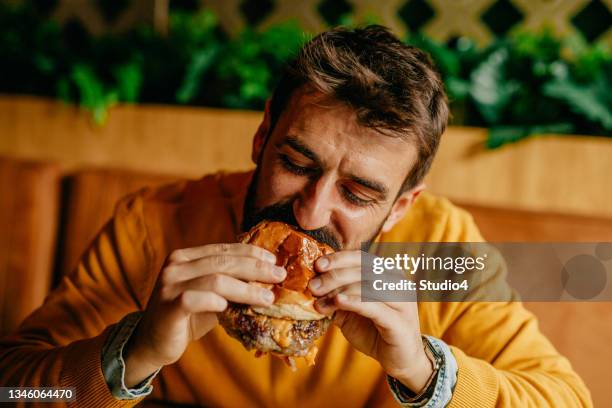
x=331 y=130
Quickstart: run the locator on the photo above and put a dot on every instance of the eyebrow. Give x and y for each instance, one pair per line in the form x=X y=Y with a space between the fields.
x=372 y=185
x=295 y=144
x=300 y=147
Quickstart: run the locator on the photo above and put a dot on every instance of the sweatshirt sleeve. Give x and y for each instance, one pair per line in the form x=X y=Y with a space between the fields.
x=60 y=343
x=505 y=361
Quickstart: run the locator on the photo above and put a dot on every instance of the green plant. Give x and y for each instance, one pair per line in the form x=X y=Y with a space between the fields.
x=522 y=85
x=527 y=84
x=248 y=66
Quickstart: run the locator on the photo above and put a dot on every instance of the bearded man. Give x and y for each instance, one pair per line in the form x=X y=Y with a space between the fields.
x=345 y=142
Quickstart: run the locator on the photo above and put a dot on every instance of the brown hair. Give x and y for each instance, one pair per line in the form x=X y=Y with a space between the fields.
x=393 y=87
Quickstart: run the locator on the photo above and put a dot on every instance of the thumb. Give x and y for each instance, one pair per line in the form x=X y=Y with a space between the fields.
x=341 y=318
x=201 y=323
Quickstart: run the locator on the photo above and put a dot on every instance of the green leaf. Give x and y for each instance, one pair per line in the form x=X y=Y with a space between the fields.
x=491 y=90
x=540 y=46
x=63 y=89
x=458 y=89
x=92 y=95
x=585 y=100
x=199 y=64
x=501 y=135
x=129 y=81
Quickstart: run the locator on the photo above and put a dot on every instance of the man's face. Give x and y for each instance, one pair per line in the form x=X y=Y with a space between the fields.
x=324 y=173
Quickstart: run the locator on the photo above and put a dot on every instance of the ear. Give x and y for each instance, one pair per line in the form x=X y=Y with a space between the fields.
x=401 y=206
x=259 y=140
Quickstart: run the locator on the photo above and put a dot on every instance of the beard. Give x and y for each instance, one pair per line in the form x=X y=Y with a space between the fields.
x=283 y=212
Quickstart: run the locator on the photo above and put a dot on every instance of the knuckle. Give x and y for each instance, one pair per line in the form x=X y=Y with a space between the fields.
x=253 y=250
x=221 y=261
x=261 y=265
x=176 y=256
x=165 y=293
x=169 y=274
x=184 y=301
x=255 y=296
x=257 y=252
x=216 y=282
x=224 y=248
x=333 y=276
x=251 y=291
x=217 y=303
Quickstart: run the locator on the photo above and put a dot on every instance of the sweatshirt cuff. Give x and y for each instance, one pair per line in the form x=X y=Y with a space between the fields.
x=477 y=382
x=440 y=391
x=113 y=364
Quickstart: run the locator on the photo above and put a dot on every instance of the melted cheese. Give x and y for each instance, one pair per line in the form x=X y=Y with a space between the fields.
x=282 y=332
x=310 y=356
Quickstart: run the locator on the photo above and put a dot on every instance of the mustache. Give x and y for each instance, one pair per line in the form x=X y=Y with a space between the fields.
x=283 y=212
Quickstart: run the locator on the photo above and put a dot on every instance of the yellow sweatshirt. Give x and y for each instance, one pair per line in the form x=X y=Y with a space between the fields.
x=503 y=359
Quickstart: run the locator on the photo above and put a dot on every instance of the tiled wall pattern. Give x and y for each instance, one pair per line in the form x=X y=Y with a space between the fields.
x=444 y=20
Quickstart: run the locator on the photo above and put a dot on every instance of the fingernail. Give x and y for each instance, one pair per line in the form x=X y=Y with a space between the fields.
x=323 y=304
x=320 y=303
x=267 y=296
x=341 y=297
x=322 y=263
x=270 y=257
x=315 y=283
x=279 y=272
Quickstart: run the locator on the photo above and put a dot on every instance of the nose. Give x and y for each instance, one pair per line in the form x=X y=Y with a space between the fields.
x=314 y=207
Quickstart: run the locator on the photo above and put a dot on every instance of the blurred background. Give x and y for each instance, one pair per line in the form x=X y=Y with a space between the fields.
x=99 y=98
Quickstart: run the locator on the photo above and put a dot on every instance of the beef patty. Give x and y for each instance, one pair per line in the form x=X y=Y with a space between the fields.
x=271 y=334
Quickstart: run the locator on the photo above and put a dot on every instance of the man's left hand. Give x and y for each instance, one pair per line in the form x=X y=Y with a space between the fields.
x=386 y=331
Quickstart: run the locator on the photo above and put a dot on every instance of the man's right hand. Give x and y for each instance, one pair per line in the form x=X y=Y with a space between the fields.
x=194 y=285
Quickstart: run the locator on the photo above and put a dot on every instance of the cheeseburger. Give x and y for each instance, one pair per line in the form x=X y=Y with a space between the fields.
x=288 y=327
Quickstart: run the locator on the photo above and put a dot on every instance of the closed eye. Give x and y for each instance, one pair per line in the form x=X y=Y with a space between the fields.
x=296 y=169
x=354 y=199
x=311 y=172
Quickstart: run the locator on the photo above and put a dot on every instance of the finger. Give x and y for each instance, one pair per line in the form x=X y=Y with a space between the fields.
x=202 y=323
x=338 y=260
x=237 y=249
x=241 y=267
x=230 y=289
x=196 y=301
x=380 y=314
x=332 y=279
x=327 y=304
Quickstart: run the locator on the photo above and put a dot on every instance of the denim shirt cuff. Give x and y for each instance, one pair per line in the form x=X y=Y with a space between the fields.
x=440 y=392
x=113 y=364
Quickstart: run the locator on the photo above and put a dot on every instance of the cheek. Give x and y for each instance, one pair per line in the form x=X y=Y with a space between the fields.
x=276 y=185
x=358 y=224
x=357 y=214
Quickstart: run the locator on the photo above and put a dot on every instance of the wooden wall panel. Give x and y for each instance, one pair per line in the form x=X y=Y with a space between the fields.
x=563 y=174
x=158 y=139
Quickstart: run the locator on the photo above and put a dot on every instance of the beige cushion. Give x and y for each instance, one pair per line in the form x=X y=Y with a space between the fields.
x=90 y=202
